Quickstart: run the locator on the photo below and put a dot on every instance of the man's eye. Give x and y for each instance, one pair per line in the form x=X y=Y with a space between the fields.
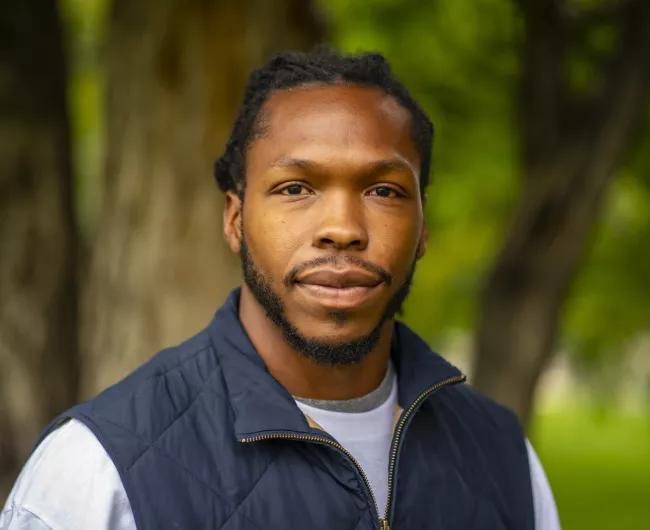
x=385 y=191
x=294 y=189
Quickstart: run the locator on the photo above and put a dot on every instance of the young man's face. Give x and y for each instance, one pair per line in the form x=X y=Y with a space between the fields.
x=332 y=217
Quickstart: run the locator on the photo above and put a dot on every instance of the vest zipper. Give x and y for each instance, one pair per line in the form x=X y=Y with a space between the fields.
x=383 y=523
x=398 y=434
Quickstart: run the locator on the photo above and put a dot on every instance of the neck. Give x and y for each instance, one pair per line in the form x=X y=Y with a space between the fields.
x=301 y=376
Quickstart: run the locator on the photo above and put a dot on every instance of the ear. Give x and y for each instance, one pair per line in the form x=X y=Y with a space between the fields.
x=232 y=216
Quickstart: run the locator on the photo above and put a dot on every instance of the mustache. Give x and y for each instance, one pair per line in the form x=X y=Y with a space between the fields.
x=385 y=276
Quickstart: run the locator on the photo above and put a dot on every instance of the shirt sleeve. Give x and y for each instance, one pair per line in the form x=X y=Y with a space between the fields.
x=69 y=483
x=546 y=515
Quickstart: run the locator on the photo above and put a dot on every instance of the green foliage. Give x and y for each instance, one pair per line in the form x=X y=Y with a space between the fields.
x=609 y=305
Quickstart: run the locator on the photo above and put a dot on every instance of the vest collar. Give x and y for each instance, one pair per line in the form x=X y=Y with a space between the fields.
x=261 y=405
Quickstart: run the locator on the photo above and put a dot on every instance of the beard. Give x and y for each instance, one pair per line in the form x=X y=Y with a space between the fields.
x=322 y=351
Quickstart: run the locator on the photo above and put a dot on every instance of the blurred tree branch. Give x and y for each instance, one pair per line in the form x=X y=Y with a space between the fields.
x=572 y=145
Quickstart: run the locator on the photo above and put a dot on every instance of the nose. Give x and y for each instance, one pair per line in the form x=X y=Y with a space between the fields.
x=342 y=225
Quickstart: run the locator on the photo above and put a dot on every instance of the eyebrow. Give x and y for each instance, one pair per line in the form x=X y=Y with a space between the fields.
x=377 y=168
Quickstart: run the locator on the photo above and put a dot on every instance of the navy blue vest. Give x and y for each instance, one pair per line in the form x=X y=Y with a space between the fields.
x=203 y=437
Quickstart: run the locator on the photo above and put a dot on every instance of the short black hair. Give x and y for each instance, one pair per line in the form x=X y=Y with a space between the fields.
x=323 y=65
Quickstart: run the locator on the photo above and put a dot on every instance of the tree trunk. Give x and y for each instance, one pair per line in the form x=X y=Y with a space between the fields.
x=175 y=78
x=572 y=148
x=38 y=246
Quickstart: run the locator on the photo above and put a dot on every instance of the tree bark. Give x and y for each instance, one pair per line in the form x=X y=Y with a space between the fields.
x=38 y=243
x=572 y=147
x=176 y=72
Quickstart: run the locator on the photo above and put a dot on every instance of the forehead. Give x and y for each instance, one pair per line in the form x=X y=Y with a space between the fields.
x=331 y=121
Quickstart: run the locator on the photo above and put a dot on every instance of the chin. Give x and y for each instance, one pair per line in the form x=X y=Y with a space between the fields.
x=337 y=332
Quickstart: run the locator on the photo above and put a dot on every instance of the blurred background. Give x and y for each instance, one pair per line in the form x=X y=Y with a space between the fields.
x=537 y=277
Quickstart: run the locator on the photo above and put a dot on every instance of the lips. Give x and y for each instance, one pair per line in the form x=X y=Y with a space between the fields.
x=339 y=289
x=340 y=278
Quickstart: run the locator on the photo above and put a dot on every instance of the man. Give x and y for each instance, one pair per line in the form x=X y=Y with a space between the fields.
x=303 y=404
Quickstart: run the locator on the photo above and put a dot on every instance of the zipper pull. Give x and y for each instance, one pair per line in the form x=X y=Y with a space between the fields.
x=383 y=523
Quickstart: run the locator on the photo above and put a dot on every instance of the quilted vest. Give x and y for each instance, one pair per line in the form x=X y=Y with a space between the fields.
x=203 y=437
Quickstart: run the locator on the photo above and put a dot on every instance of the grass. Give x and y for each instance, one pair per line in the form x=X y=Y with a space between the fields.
x=598 y=467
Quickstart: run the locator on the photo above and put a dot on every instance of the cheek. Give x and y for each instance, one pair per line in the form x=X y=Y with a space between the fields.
x=396 y=241
x=272 y=239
